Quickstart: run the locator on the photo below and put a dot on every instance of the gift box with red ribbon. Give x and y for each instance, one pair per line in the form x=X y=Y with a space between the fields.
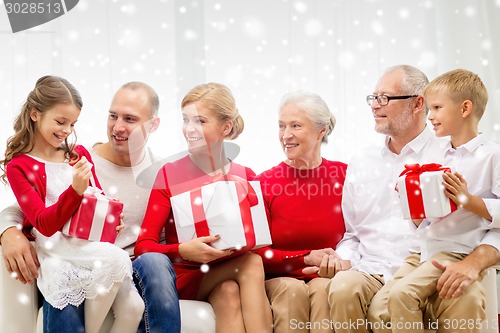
x=232 y=208
x=422 y=193
x=96 y=219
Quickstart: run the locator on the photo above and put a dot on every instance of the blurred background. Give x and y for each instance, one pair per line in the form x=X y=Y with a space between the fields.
x=261 y=49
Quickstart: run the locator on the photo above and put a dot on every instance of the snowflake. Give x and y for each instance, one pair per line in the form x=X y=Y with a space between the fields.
x=300 y=7
x=254 y=28
x=269 y=254
x=313 y=27
x=190 y=35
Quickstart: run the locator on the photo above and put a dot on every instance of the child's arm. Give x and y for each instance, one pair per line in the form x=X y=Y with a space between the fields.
x=47 y=220
x=456 y=189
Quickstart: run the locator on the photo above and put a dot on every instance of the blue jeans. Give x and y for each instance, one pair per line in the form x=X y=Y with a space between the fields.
x=69 y=319
x=154 y=278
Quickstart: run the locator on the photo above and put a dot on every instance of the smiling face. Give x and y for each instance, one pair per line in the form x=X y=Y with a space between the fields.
x=54 y=125
x=444 y=114
x=299 y=136
x=201 y=127
x=130 y=121
x=396 y=117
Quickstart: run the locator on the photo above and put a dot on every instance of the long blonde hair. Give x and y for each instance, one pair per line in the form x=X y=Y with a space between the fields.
x=49 y=91
x=219 y=99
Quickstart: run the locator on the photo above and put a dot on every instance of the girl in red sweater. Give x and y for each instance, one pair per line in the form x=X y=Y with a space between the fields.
x=48 y=177
x=234 y=286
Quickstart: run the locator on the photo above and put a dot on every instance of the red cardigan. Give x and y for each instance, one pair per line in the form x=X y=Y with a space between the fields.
x=27 y=178
x=304 y=211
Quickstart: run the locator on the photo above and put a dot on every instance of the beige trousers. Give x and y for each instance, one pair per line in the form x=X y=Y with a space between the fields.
x=349 y=295
x=298 y=306
x=410 y=302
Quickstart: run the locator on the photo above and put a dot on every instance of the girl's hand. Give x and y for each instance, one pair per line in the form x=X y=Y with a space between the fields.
x=456 y=188
x=198 y=250
x=82 y=171
x=121 y=226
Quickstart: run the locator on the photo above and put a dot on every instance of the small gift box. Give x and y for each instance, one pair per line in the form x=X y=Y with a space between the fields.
x=96 y=219
x=422 y=193
x=233 y=209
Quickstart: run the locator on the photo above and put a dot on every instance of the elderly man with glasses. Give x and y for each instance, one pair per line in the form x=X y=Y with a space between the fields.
x=377 y=238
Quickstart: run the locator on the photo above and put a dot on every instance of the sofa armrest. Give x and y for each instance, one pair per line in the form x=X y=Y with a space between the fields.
x=18 y=300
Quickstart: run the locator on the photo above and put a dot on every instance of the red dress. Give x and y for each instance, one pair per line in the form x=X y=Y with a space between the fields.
x=172 y=179
x=304 y=211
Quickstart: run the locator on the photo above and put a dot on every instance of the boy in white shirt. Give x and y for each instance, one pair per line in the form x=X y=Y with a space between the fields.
x=456 y=102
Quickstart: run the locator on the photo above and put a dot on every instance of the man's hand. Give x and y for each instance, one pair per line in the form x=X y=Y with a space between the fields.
x=19 y=256
x=456 y=277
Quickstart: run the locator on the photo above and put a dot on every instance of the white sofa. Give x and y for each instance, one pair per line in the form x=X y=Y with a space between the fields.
x=19 y=312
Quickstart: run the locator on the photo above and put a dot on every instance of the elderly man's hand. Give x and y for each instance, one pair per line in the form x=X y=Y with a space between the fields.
x=456 y=277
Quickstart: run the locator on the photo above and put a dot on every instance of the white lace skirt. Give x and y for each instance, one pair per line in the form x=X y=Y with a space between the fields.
x=72 y=269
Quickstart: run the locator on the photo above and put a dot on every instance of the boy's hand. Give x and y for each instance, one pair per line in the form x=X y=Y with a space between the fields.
x=456 y=189
x=82 y=171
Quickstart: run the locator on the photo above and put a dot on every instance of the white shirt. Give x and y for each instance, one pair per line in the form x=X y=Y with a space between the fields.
x=461 y=231
x=377 y=238
x=122 y=183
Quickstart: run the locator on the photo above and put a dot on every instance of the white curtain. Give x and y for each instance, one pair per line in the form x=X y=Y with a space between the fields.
x=261 y=49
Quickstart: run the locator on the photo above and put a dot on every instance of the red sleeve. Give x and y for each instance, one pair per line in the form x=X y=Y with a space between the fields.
x=156 y=217
x=279 y=261
x=27 y=187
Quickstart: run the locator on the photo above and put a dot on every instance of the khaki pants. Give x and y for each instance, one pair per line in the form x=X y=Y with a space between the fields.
x=349 y=295
x=410 y=301
x=298 y=306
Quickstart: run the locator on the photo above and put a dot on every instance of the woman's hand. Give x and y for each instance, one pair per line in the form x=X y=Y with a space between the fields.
x=330 y=265
x=82 y=171
x=315 y=257
x=198 y=250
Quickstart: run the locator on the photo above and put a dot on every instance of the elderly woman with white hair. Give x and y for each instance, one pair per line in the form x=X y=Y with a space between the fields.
x=303 y=200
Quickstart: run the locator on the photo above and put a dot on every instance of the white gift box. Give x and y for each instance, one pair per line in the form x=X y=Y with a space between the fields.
x=220 y=206
x=426 y=198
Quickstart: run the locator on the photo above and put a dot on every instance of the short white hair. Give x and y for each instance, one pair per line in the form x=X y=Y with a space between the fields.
x=314 y=106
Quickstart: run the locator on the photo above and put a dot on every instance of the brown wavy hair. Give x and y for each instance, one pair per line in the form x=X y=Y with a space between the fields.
x=49 y=91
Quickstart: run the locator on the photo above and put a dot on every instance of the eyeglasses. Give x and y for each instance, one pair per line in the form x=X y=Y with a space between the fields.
x=383 y=100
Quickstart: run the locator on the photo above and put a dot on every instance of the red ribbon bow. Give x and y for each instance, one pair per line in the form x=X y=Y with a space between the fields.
x=418 y=169
x=412 y=182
